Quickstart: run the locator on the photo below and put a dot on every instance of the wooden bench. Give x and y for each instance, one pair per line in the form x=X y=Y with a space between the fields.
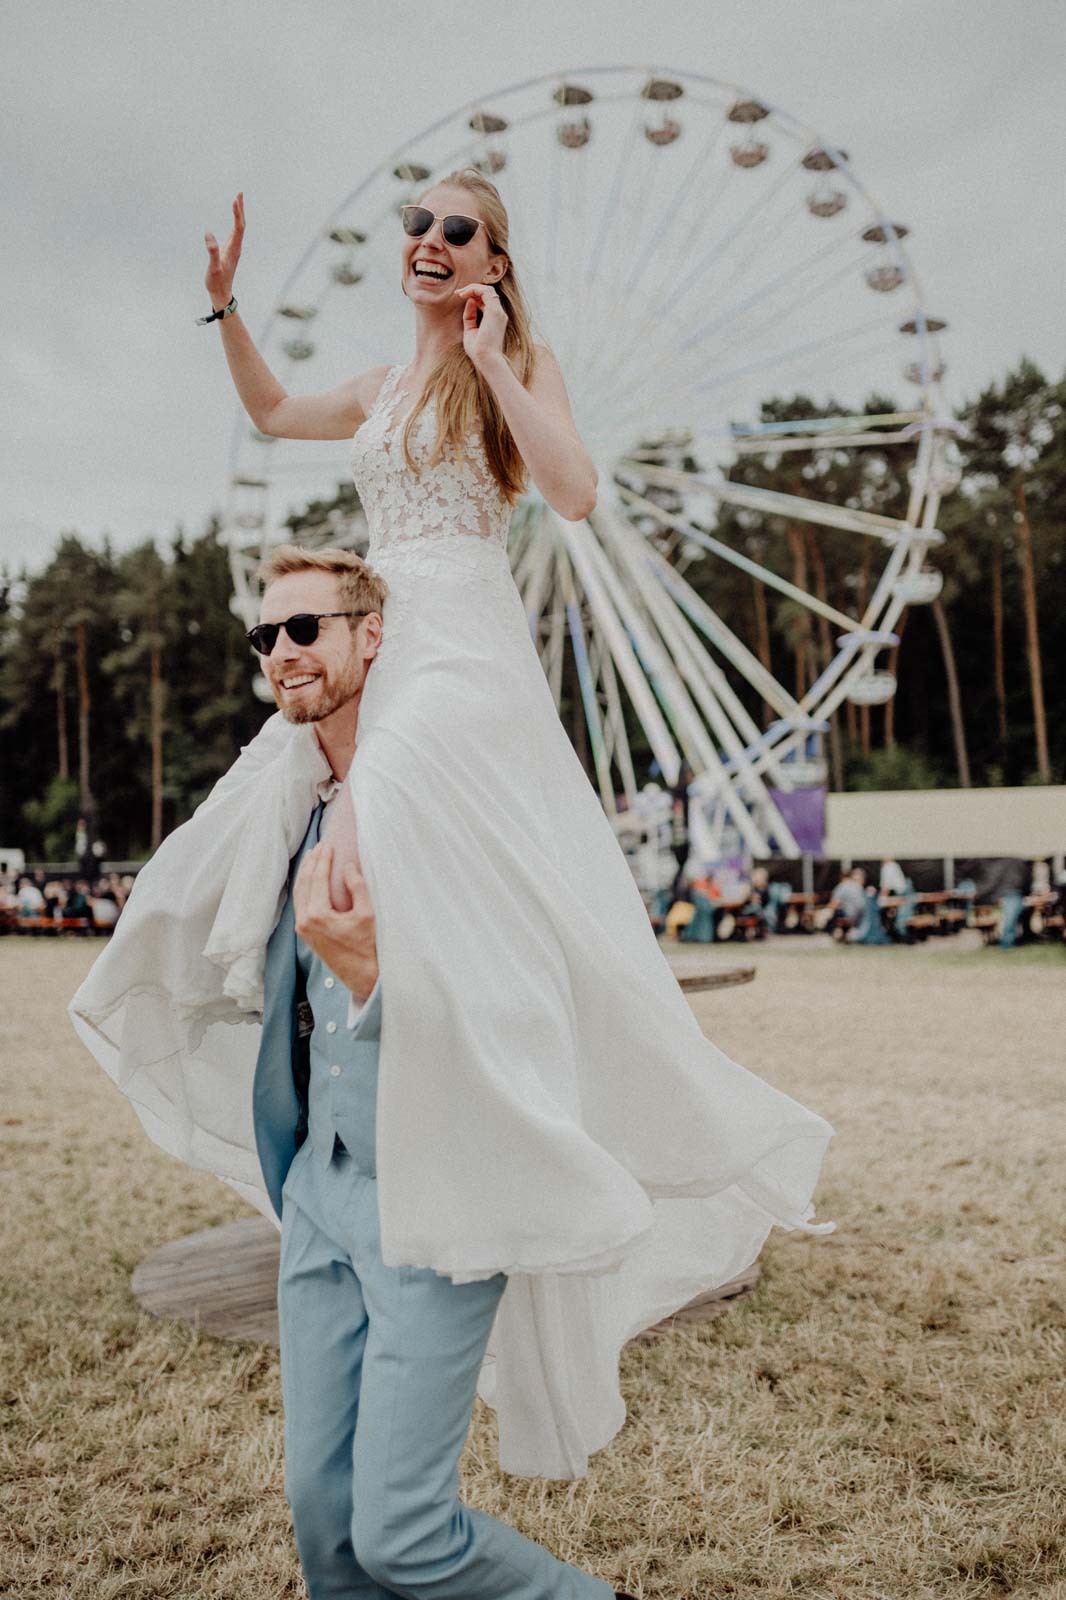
x=54 y=925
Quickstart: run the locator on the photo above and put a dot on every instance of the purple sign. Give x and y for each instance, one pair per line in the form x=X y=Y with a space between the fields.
x=804 y=811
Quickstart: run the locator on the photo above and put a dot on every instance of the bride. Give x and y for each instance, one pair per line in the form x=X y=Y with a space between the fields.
x=547 y=1106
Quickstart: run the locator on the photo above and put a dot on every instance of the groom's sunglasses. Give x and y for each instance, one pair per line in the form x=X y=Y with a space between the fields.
x=457 y=230
x=301 y=629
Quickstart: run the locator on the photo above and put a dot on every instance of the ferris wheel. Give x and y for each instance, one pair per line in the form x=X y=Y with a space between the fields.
x=686 y=249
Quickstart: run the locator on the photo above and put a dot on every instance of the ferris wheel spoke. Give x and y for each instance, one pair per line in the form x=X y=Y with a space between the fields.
x=586 y=680
x=786 y=357
x=522 y=548
x=652 y=400
x=556 y=635
x=825 y=441
x=729 y=236
x=552 y=217
x=674 y=691
x=658 y=647
x=801 y=433
x=882 y=610
x=537 y=580
x=588 y=253
x=699 y=672
x=614 y=717
x=825 y=369
x=689 y=359
x=736 y=317
x=577 y=206
x=685 y=360
x=662 y=230
x=689 y=344
x=727 y=644
x=764 y=574
x=688 y=275
x=773 y=502
x=719 y=278
x=607 y=224
x=617 y=306
x=825 y=372
x=618 y=299
x=585 y=555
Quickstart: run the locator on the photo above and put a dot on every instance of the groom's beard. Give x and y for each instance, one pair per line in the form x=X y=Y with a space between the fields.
x=328 y=696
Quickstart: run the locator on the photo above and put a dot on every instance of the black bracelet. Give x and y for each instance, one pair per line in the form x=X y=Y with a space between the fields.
x=227 y=311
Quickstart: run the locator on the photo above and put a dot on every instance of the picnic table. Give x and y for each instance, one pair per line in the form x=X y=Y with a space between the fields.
x=224 y=1279
x=1039 y=915
x=798 y=914
x=931 y=911
x=46 y=924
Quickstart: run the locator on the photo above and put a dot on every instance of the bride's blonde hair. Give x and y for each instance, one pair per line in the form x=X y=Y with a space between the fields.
x=464 y=399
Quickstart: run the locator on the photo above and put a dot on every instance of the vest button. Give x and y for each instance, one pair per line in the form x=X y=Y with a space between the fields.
x=329 y=982
x=331 y=1027
x=334 y=1071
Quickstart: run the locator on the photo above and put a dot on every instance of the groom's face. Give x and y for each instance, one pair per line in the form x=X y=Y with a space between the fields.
x=311 y=681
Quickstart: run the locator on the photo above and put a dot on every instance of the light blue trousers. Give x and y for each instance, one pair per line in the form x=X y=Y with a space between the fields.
x=379 y=1369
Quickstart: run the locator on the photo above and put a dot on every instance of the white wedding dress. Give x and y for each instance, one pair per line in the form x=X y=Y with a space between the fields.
x=547 y=1103
x=588 y=1139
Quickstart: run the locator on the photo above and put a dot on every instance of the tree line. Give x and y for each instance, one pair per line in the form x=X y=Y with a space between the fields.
x=125 y=677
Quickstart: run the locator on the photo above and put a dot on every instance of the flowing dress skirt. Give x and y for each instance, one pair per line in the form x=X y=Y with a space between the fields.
x=548 y=1105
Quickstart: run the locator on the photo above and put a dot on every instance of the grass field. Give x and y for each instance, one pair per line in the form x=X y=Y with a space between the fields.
x=884 y=1416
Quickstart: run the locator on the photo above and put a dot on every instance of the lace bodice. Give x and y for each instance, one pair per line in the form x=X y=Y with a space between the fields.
x=457 y=496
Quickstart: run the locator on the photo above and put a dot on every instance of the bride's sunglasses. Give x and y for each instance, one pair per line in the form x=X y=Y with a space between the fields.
x=457 y=230
x=301 y=629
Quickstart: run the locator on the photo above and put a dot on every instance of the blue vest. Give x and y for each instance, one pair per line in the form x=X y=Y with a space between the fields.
x=341 y=1068
x=296 y=1094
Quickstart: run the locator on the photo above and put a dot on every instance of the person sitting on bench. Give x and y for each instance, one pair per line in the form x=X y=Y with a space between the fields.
x=847 y=901
x=893 y=878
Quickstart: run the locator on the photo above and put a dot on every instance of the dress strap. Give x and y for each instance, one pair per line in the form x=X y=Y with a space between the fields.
x=388 y=388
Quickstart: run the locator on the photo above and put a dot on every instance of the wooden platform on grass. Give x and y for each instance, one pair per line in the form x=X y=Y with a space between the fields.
x=224 y=1280
x=695 y=971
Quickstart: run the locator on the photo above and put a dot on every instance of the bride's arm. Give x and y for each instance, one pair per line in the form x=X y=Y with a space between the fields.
x=545 y=432
x=333 y=414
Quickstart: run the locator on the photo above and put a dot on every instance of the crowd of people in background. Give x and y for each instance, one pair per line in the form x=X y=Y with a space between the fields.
x=32 y=901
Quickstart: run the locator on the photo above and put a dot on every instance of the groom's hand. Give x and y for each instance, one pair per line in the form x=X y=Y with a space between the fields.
x=344 y=940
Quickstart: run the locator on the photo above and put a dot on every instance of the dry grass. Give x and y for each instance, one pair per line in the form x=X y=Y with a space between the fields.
x=883 y=1417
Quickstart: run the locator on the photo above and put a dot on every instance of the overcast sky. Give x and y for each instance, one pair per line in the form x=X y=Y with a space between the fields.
x=129 y=127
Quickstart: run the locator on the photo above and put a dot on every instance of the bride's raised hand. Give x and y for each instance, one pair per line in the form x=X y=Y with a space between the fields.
x=218 y=279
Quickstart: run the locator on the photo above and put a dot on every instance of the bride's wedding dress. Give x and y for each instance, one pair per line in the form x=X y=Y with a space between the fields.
x=533 y=1034
x=547 y=1103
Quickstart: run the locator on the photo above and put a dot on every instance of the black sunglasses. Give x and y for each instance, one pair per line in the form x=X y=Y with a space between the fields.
x=457 y=230
x=301 y=629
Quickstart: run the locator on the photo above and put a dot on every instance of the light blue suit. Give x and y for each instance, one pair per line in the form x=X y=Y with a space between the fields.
x=379 y=1365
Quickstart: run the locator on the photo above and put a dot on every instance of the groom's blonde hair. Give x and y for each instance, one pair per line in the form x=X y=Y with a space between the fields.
x=361 y=588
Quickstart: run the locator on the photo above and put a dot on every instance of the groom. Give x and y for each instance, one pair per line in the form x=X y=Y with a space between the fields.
x=379 y=1365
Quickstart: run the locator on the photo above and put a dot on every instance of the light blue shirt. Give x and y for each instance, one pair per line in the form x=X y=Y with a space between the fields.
x=326 y=790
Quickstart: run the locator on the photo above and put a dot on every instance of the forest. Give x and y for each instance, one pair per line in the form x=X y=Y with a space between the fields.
x=125 y=677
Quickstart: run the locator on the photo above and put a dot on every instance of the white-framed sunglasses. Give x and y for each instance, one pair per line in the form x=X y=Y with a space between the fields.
x=457 y=230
